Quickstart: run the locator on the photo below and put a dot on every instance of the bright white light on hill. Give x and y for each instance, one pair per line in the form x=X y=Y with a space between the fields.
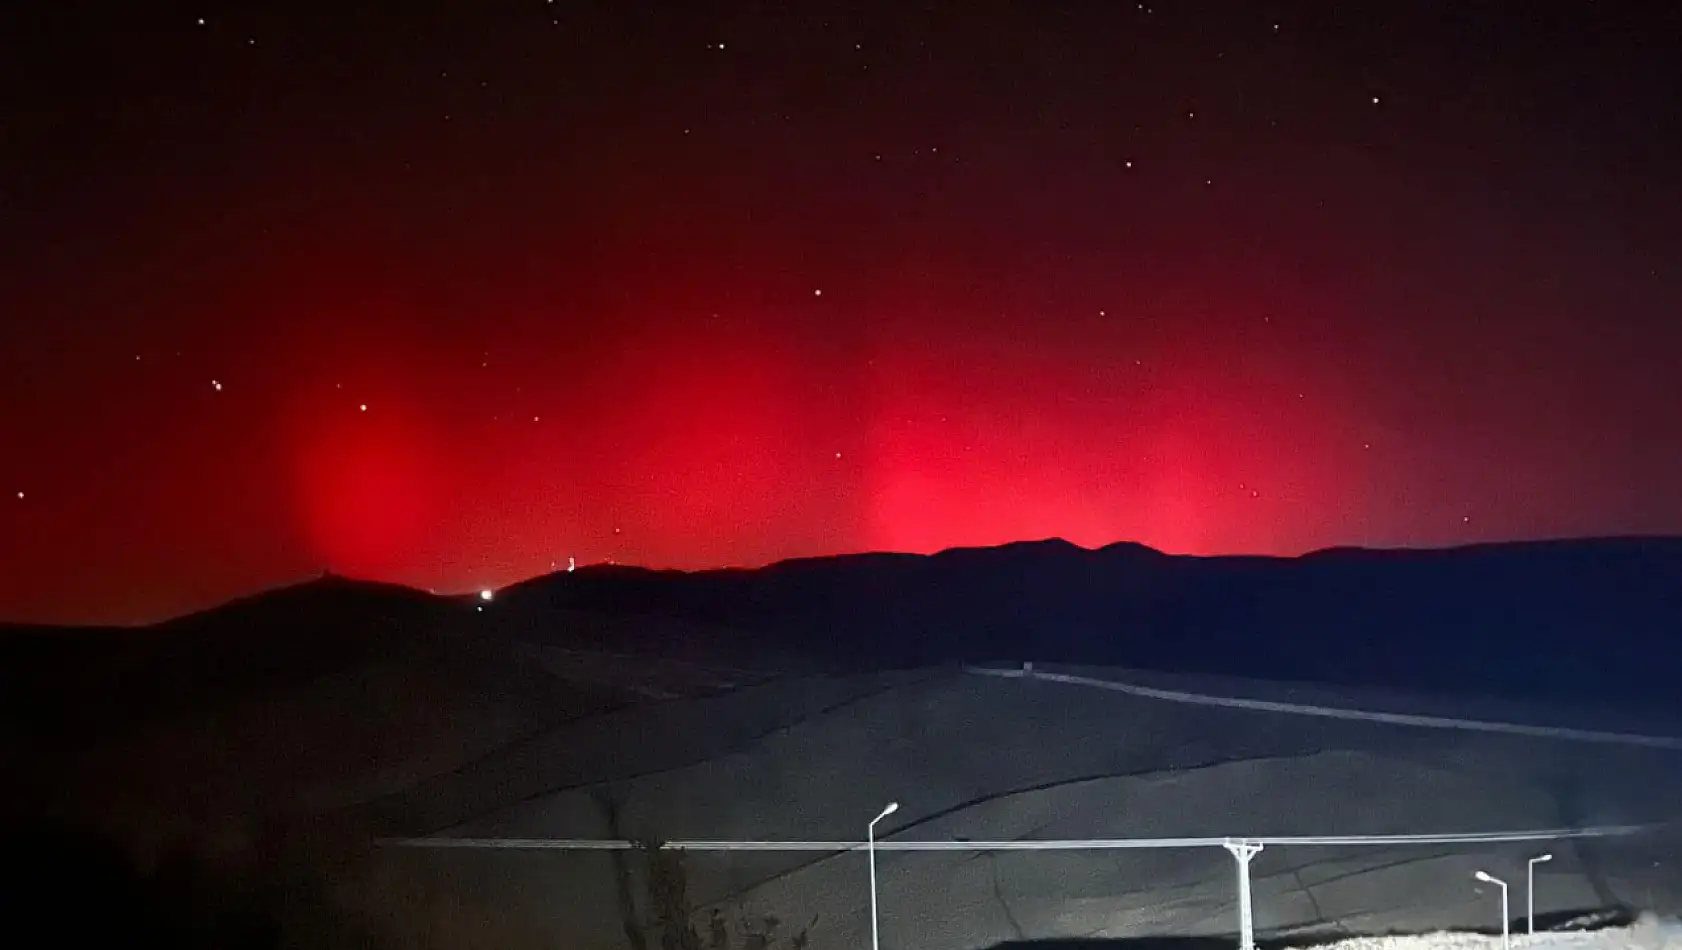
x=486 y=595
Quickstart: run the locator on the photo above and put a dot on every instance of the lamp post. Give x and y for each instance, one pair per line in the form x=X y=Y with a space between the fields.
x=870 y=848
x=1506 y=934
x=1530 y=891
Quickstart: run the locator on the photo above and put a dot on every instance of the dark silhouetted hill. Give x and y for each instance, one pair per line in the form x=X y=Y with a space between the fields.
x=1594 y=618
x=71 y=681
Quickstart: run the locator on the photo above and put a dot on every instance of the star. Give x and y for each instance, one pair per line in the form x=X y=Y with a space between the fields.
x=363 y=407
x=20 y=496
x=214 y=384
x=201 y=21
x=818 y=292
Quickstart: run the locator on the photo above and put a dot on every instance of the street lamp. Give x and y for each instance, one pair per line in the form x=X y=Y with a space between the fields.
x=1530 y=890
x=870 y=847
x=1506 y=934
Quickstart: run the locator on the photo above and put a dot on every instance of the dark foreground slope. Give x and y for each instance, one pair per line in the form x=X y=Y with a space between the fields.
x=269 y=740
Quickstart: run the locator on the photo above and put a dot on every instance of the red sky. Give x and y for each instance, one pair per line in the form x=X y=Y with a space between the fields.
x=858 y=281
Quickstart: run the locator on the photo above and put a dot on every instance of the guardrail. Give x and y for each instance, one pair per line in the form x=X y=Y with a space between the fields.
x=1243 y=849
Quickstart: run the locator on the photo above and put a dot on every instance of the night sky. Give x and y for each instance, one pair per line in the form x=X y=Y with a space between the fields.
x=448 y=293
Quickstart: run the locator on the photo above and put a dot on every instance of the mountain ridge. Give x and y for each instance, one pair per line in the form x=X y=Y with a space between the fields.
x=1594 y=618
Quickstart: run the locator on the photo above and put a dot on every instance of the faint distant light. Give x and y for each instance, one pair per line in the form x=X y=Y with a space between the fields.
x=216 y=385
x=363 y=407
x=201 y=21
x=486 y=594
x=20 y=496
x=1375 y=100
x=818 y=292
